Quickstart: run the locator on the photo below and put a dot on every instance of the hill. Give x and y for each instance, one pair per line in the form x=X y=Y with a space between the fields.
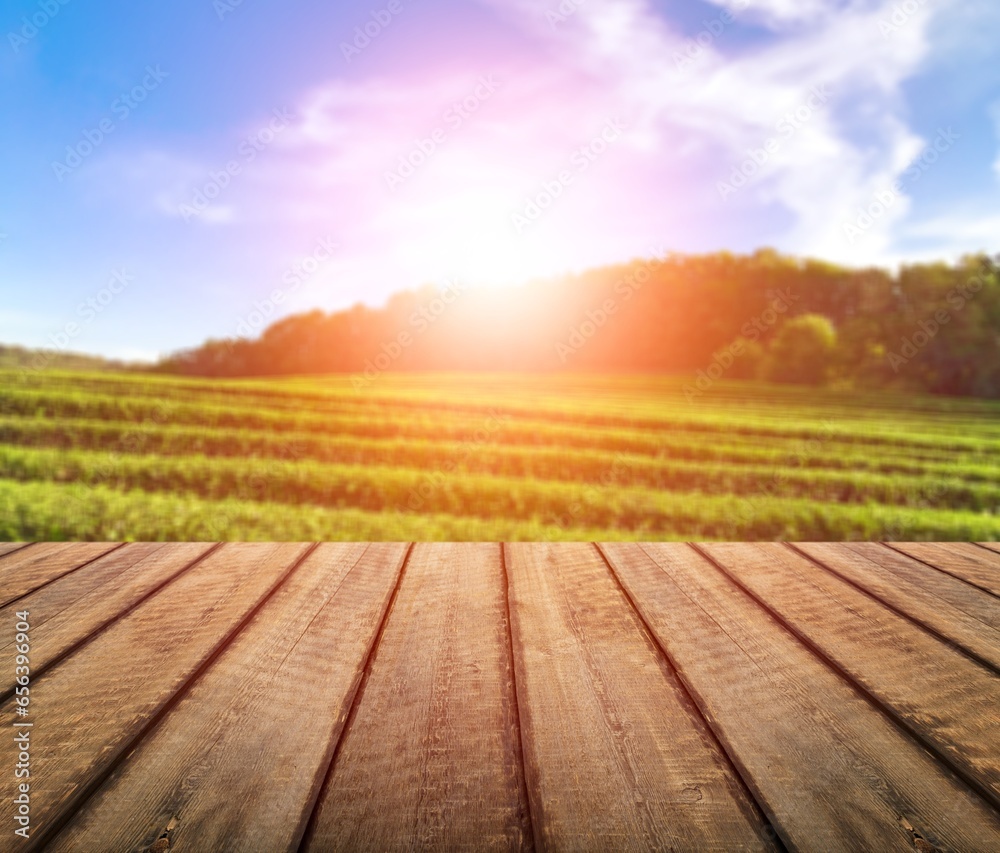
x=23 y=358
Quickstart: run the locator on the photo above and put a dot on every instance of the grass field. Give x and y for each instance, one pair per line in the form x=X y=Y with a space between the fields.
x=128 y=456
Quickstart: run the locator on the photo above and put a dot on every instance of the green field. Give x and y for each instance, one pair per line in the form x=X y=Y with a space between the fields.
x=486 y=457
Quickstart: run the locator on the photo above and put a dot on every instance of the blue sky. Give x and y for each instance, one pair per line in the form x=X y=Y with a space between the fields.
x=172 y=172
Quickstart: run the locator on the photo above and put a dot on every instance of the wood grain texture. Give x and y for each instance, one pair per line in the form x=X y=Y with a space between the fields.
x=958 y=611
x=68 y=610
x=943 y=697
x=271 y=707
x=616 y=756
x=990 y=546
x=961 y=559
x=9 y=548
x=833 y=772
x=430 y=760
x=216 y=701
x=90 y=707
x=27 y=569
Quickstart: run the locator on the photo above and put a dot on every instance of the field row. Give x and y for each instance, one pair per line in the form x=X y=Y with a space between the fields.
x=527 y=395
x=73 y=512
x=747 y=492
x=498 y=425
x=679 y=462
x=619 y=409
x=432 y=457
x=52 y=511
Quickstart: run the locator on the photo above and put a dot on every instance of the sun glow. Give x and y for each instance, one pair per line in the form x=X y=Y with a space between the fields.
x=473 y=237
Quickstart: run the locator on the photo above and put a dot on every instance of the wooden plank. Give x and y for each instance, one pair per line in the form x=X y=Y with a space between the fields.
x=27 y=569
x=89 y=709
x=960 y=559
x=945 y=699
x=914 y=575
x=238 y=763
x=10 y=547
x=960 y=612
x=431 y=758
x=616 y=756
x=990 y=546
x=68 y=610
x=831 y=771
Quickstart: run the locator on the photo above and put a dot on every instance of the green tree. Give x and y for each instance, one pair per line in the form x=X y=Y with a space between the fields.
x=803 y=351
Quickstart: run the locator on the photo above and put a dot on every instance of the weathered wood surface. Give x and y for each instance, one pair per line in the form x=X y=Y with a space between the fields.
x=295 y=697
x=613 y=749
x=305 y=649
x=432 y=758
x=943 y=604
x=832 y=772
x=90 y=708
x=963 y=560
x=72 y=608
x=949 y=702
x=27 y=569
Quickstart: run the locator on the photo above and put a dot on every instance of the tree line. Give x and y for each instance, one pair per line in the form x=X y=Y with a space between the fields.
x=929 y=327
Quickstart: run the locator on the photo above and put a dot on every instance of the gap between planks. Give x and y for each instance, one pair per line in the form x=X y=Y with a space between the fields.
x=964 y=637
x=954 y=737
x=75 y=793
x=89 y=634
x=310 y=828
x=357 y=697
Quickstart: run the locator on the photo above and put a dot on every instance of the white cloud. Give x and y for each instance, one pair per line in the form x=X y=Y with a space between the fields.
x=733 y=104
x=132 y=354
x=959 y=233
x=778 y=14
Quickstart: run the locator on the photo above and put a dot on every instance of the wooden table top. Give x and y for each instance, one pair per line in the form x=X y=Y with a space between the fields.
x=501 y=697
